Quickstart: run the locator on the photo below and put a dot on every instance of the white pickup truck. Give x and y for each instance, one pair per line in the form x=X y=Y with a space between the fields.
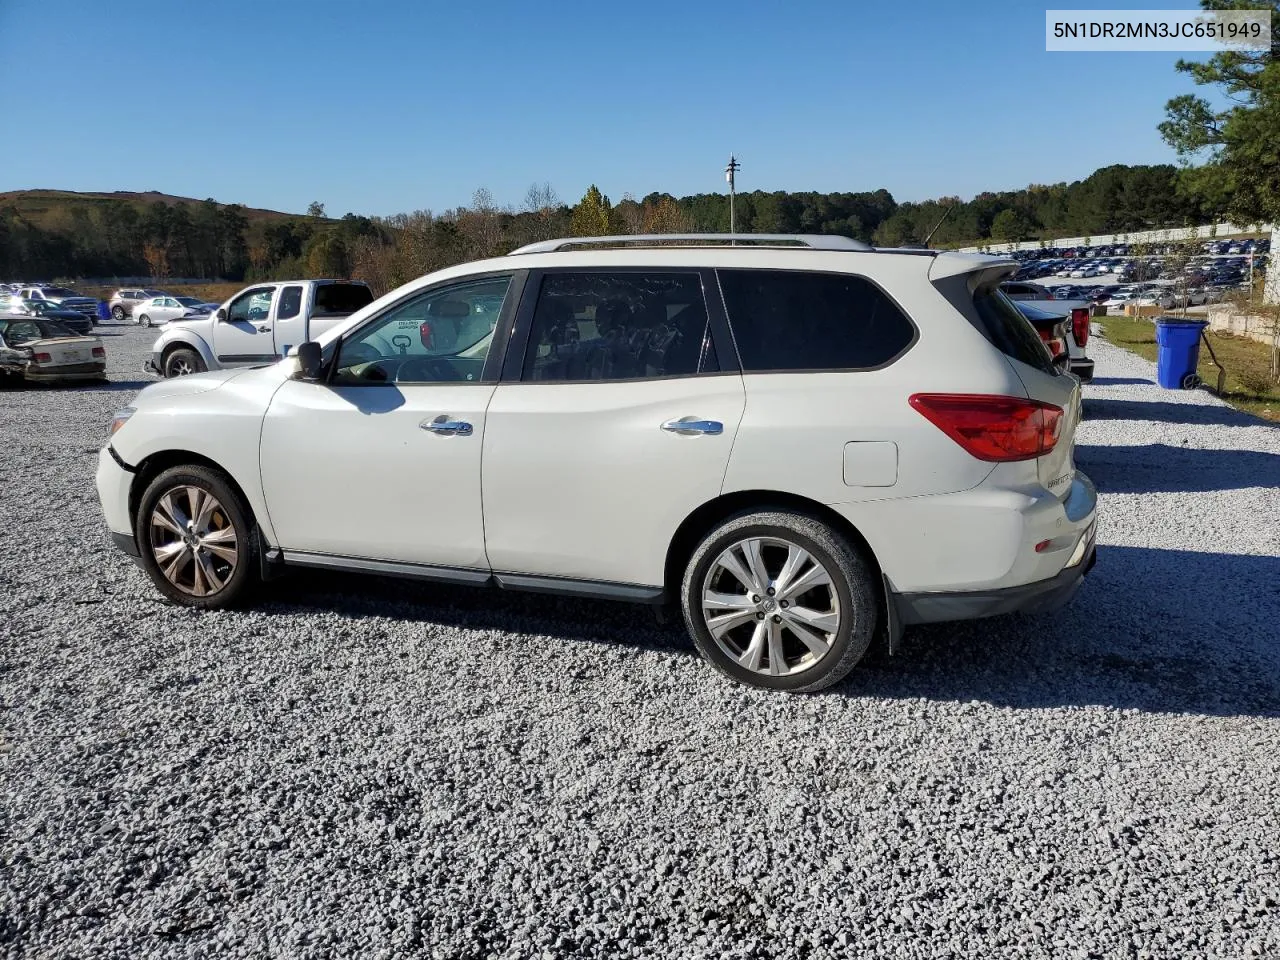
x=1079 y=313
x=260 y=324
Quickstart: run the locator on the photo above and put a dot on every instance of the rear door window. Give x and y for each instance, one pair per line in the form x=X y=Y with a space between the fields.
x=290 y=303
x=625 y=325
x=802 y=320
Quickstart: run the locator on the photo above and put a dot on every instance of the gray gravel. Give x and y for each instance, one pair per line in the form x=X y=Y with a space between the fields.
x=367 y=768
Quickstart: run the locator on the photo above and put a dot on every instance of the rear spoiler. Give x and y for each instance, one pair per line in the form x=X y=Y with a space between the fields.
x=949 y=264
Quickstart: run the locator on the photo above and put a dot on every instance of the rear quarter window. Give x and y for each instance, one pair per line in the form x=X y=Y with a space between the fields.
x=802 y=320
x=334 y=299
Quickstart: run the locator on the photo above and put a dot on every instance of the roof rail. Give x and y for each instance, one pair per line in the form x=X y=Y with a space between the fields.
x=811 y=240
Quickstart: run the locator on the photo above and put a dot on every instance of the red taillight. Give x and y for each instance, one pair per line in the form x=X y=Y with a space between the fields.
x=992 y=428
x=99 y=352
x=1080 y=325
x=424 y=333
x=1057 y=347
x=42 y=358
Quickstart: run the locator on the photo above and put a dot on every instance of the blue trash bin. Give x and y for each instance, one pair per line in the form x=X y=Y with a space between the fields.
x=1178 y=343
x=104 y=311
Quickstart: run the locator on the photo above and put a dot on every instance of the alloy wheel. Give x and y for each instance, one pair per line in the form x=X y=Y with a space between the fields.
x=771 y=606
x=193 y=540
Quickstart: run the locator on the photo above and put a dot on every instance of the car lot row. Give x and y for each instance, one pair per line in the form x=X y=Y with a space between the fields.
x=144 y=306
x=1244 y=246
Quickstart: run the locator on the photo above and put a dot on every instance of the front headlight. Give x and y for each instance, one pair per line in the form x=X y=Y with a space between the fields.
x=120 y=419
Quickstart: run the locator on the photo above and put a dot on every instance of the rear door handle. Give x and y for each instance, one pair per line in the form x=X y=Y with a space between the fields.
x=692 y=427
x=443 y=426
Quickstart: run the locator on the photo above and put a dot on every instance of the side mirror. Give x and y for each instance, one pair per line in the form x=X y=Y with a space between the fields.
x=309 y=360
x=221 y=315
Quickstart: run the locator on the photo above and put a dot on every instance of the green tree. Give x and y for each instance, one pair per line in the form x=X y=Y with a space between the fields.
x=315 y=209
x=1011 y=225
x=593 y=216
x=1242 y=139
x=327 y=256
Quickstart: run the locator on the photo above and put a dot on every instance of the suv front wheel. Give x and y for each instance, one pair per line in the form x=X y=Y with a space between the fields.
x=780 y=600
x=196 y=538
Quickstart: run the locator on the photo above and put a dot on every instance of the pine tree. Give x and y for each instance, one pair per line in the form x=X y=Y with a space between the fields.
x=593 y=215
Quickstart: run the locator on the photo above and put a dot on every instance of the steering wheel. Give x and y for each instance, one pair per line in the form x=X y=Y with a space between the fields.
x=426 y=370
x=354 y=353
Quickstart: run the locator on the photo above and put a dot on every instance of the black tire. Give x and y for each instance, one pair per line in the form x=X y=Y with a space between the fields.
x=243 y=578
x=144 y=320
x=176 y=358
x=853 y=582
x=117 y=313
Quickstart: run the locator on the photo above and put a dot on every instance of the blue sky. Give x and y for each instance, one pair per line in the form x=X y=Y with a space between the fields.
x=394 y=105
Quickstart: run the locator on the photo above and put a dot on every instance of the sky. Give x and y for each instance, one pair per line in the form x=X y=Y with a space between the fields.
x=389 y=106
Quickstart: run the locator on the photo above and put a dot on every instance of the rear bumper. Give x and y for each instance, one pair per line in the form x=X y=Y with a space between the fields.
x=53 y=374
x=1039 y=597
x=1083 y=369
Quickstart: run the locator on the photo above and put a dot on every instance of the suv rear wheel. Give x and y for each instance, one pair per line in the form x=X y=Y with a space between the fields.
x=117 y=313
x=196 y=538
x=780 y=600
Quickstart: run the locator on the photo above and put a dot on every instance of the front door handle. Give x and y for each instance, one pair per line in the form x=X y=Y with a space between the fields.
x=692 y=427
x=446 y=427
x=264 y=328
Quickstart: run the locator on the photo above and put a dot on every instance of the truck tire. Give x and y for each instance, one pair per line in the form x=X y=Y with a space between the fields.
x=181 y=361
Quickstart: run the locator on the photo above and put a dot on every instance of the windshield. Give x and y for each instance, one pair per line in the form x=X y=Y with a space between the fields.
x=188 y=301
x=25 y=331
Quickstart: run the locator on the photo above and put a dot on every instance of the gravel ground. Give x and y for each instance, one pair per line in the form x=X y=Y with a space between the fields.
x=367 y=768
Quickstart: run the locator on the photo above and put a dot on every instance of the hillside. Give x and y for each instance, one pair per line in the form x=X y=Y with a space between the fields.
x=41 y=207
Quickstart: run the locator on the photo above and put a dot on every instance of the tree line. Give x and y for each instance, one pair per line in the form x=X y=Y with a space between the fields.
x=117 y=238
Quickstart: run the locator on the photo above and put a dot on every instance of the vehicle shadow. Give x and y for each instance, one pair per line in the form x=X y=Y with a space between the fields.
x=479 y=608
x=1157 y=412
x=1161 y=631
x=1159 y=468
x=1120 y=381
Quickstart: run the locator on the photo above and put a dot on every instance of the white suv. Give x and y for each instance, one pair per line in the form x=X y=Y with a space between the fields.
x=805 y=441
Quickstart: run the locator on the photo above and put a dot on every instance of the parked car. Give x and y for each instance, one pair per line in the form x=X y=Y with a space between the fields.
x=1071 y=305
x=125 y=299
x=64 y=297
x=36 y=349
x=160 y=310
x=1052 y=328
x=257 y=325
x=13 y=305
x=616 y=429
x=196 y=307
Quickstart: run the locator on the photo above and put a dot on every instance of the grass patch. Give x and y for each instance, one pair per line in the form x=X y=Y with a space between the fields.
x=1247 y=362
